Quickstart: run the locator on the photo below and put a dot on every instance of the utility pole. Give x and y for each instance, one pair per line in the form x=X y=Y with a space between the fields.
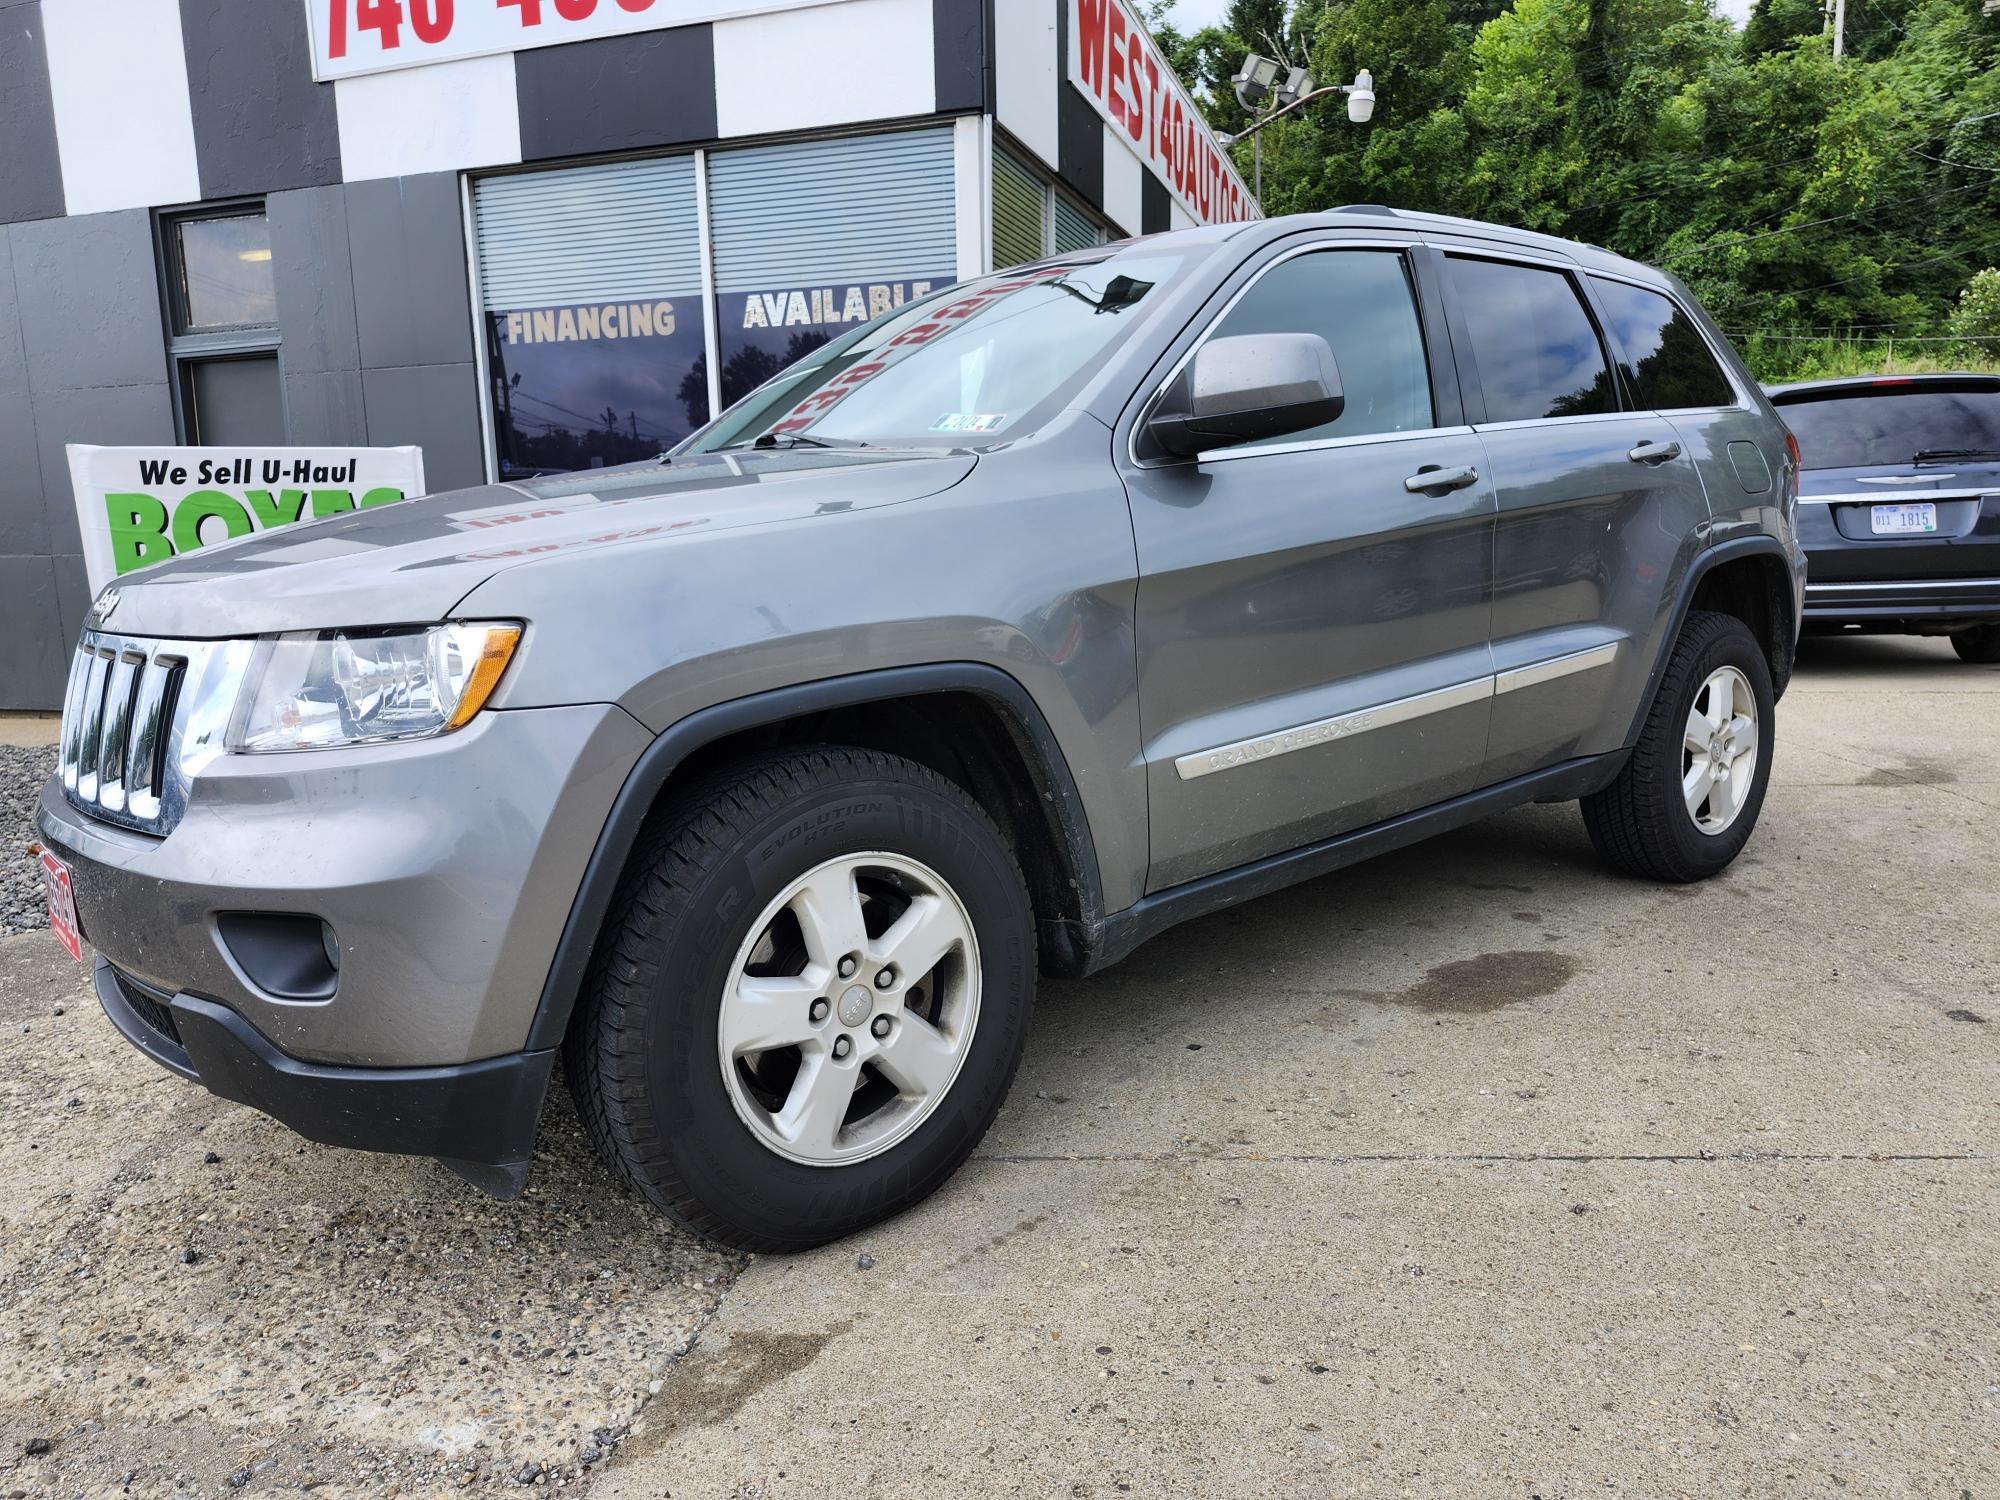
x=1839 y=27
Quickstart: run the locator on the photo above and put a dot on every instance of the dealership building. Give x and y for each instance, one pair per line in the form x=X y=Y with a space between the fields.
x=523 y=235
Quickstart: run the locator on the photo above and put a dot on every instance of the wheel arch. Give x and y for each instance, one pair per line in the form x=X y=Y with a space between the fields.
x=972 y=723
x=1748 y=577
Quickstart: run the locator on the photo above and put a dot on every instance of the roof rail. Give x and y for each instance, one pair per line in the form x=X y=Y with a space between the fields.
x=1366 y=208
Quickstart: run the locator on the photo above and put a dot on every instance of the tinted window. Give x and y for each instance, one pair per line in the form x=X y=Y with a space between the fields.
x=1361 y=303
x=1892 y=424
x=1536 y=347
x=1668 y=364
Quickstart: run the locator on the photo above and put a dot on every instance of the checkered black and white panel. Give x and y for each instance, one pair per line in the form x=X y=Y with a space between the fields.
x=121 y=104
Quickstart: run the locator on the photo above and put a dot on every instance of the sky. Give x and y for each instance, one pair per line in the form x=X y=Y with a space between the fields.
x=1191 y=15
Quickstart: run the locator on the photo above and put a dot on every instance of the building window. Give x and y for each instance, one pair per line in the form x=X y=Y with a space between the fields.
x=612 y=324
x=1033 y=217
x=222 y=326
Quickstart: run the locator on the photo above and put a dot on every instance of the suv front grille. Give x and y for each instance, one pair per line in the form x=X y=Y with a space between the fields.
x=123 y=718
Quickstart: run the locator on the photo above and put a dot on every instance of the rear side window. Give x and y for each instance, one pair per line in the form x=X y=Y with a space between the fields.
x=1893 y=424
x=1361 y=302
x=1537 y=350
x=1667 y=362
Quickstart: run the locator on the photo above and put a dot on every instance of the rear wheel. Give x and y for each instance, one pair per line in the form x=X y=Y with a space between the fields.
x=1980 y=644
x=810 y=1001
x=1687 y=800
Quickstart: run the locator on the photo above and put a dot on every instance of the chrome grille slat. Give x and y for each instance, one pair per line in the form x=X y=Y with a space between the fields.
x=140 y=717
x=142 y=761
x=71 y=734
x=118 y=690
x=92 y=720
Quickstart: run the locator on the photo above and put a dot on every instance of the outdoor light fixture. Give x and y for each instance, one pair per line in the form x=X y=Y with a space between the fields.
x=1259 y=81
x=1361 y=97
x=1256 y=80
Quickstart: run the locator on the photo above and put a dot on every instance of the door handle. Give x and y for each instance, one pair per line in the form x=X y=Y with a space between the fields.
x=1430 y=478
x=1655 y=453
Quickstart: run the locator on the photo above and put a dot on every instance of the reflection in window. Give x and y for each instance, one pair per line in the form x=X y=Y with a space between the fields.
x=1535 y=347
x=223 y=275
x=1670 y=366
x=1362 y=304
x=984 y=360
x=589 y=385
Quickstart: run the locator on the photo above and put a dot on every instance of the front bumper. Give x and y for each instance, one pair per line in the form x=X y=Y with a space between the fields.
x=478 y=1118
x=446 y=869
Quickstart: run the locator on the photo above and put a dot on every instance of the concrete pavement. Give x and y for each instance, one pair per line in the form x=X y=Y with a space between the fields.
x=1473 y=1171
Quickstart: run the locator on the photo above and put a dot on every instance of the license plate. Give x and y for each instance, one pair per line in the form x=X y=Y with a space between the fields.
x=62 y=904
x=1902 y=520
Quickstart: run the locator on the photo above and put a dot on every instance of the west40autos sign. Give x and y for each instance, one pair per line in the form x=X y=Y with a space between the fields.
x=373 y=36
x=139 y=506
x=1114 y=63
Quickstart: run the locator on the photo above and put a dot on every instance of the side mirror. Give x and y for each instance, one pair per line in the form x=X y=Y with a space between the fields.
x=1236 y=390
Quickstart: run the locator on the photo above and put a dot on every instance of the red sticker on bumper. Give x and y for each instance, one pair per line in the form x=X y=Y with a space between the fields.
x=62 y=904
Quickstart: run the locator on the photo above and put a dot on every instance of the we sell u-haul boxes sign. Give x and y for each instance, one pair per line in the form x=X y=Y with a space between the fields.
x=138 y=506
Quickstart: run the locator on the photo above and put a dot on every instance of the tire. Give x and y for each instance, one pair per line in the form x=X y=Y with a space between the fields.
x=1979 y=645
x=1642 y=824
x=700 y=928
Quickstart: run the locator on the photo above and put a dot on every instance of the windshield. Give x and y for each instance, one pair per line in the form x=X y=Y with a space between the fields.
x=976 y=363
x=1894 y=425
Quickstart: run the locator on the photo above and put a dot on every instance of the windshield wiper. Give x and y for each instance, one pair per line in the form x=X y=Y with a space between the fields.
x=1953 y=455
x=769 y=440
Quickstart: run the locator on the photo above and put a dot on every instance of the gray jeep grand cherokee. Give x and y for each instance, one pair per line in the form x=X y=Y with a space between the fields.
x=998 y=635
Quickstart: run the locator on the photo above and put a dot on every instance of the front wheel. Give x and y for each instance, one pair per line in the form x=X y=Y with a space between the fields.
x=1979 y=645
x=810 y=999
x=1685 y=803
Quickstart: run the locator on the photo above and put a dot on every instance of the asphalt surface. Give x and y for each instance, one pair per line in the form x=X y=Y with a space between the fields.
x=1471 y=1171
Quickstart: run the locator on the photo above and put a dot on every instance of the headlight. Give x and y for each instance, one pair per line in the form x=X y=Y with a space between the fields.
x=315 y=689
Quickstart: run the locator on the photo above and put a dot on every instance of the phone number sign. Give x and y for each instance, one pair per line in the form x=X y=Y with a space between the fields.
x=374 y=36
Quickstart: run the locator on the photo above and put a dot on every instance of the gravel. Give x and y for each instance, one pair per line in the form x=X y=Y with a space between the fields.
x=23 y=769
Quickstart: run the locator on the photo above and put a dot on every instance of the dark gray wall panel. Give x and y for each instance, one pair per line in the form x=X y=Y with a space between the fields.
x=24 y=523
x=260 y=122
x=617 y=93
x=435 y=407
x=1079 y=144
x=962 y=37
x=1156 y=205
x=323 y=408
x=113 y=416
x=315 y=280
x=406 y=237
x=31 y=185
x=73 y=599
x=32 y=667
x=1079 y=128
x=90 y=301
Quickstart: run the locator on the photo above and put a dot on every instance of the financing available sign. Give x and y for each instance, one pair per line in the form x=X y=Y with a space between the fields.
x=1116 y=65
x=138 y=506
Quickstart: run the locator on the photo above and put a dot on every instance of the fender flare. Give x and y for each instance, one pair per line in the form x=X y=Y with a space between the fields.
x=1761 y=545
x=658 y=762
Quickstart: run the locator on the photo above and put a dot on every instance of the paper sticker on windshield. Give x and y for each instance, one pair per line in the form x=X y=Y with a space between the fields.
x=970 y=421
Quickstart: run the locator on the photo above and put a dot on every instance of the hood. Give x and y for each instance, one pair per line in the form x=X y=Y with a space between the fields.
x=411 y=562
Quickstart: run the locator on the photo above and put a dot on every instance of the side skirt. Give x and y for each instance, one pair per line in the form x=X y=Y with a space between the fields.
x=1154 y=914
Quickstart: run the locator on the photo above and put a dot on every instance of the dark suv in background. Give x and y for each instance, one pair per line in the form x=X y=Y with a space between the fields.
x=1899 y=505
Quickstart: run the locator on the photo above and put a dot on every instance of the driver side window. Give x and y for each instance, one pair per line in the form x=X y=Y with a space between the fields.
x=1363 y=304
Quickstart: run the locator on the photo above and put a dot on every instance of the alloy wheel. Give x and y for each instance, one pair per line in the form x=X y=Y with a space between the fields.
x=1719 y=749
x=849 y=1009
